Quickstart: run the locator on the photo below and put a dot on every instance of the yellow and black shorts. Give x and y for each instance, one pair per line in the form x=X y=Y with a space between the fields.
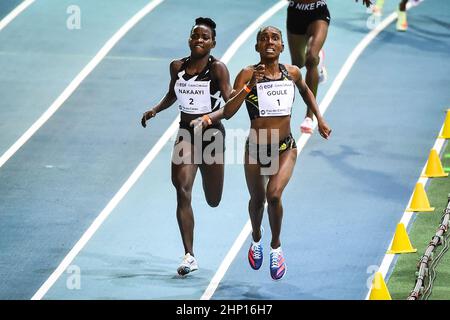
x=264 y=153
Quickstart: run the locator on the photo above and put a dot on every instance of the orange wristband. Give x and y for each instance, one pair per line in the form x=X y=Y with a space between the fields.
x=247 y=89
x=207 y=119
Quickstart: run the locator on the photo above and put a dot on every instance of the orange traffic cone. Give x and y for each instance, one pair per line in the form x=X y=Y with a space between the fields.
x=434 y=166
x=419 y=201
x=401 y=243
x=446 y=130
x=379 y=289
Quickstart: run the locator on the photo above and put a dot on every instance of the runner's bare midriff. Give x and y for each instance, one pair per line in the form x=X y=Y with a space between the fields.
x=273 y=125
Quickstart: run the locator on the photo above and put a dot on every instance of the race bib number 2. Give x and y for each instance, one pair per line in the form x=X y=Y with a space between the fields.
x=193 y=96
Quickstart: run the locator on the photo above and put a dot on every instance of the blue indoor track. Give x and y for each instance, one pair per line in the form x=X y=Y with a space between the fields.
x=341 y=206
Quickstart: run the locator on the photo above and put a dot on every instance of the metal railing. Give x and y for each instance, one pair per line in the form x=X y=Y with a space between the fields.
x=426 y=266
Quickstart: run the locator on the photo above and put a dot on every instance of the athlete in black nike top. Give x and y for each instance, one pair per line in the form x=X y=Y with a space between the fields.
x=307 y=28
x=199 y=83
x=268 y=89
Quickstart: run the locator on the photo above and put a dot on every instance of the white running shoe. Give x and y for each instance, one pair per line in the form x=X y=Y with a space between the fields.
x=307 y=125
x=377 y=11
x=323 y=74
x=188 y=265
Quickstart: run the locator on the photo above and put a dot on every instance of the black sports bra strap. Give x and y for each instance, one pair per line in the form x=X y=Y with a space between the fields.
x=207 y=67
x=184 y=61
x=284 y=71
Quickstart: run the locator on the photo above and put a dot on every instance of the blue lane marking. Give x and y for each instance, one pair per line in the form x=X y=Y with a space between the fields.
x=7 y=6
x=54 y=186
x=37 y=68
x=135 y=253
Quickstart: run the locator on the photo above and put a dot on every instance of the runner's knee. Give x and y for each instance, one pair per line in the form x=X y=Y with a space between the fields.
x=274 y=196
x=184 y=194
x=312 y=61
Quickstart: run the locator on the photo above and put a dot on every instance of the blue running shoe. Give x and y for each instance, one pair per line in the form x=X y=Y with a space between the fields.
x=278 y=265
x=255 y=253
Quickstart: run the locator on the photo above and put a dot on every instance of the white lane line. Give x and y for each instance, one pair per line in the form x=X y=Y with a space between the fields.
x=131 y=180
x=328 y=98
x=407 y=216
x=78 y=79
x=13 y=14
x=141 y=167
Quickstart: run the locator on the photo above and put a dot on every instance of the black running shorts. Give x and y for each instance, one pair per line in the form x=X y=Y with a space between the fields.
x=300 y=16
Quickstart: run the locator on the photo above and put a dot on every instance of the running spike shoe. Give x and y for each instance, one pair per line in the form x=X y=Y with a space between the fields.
x=307 y=125
x=188 y=265
x=402 y=23
x=278 y=265
x=255 y=253
x=323 y=74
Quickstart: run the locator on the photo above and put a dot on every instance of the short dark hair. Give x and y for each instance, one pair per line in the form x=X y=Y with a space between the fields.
x=266 y=27
x=206 y=22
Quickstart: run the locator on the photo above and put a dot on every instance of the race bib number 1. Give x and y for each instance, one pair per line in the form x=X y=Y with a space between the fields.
x=275 y=98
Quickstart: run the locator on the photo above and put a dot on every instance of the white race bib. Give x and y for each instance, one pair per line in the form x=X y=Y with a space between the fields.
x=194 y=96
x=275 y=98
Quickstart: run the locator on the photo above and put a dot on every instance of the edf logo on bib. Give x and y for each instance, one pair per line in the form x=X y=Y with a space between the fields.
x=275 y=98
